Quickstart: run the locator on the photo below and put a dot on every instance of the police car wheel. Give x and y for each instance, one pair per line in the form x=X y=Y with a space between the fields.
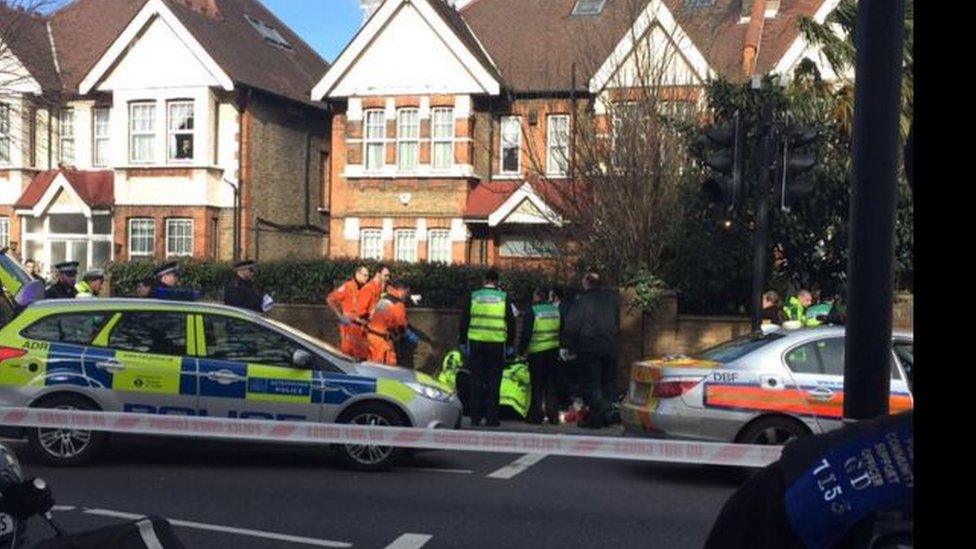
x=66 y=447
x=776 y=431
x=361 y=457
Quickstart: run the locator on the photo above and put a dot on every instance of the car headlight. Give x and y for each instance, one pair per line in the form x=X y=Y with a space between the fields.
x=10 y=472
x=432 y=393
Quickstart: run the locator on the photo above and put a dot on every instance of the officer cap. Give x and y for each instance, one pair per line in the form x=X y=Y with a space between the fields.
x=94 y=274
x=245 y=264
x=170 y=267
x=67 y=267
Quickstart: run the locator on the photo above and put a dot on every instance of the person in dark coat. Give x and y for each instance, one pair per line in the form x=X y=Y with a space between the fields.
x=772 y=311
x=240 y=291
x=166 y=285
x=592 y=333
x=64 y=286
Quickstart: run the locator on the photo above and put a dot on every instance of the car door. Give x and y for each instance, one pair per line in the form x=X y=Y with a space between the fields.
x=247 y=370
x=146 y=358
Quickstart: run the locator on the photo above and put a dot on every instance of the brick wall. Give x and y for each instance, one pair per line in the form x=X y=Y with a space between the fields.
x=203 y=229
x=284 y=138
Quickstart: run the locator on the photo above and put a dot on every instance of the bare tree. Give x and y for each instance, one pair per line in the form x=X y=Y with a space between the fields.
x=621 y=203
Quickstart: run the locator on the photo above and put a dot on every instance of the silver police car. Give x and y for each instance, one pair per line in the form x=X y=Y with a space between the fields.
x=764 y=388
x=159 y=357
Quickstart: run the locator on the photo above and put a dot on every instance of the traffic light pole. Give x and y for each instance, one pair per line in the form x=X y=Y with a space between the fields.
x=877 y=109
x=763 y=140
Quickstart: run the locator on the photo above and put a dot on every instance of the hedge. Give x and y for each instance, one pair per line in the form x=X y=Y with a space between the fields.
x=440 y=285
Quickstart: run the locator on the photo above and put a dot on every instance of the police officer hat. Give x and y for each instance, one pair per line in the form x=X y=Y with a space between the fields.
x=94 y=274
x=170 y=267
x=67 y=267
x=245 y=264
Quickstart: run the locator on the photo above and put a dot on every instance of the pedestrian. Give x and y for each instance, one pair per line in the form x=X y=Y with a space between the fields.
x=487 y=332
x=144 y=287
x=241 y=291
x=592 y=333
x=167 y=285
x=540 y=345
x=567 y=379
x=387 y=324
x=796 y=305
x=64 y=286
x=31 y=267
x=349 y=302
x=772 y=311
x=91 y=283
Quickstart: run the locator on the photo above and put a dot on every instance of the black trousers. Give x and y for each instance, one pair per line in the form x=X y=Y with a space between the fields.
x=543 y=368
x=486 y=364
x=599 y=371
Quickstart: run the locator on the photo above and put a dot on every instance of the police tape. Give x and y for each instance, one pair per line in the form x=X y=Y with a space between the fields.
x=260 y=430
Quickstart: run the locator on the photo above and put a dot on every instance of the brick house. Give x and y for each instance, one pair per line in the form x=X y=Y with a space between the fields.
x=147 y=129
x=451 y=119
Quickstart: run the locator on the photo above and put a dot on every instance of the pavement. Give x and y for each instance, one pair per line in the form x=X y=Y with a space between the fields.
x=246 y=495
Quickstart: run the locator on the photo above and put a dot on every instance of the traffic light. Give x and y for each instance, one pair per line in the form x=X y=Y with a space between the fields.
x=725 y=147
x=795 y=161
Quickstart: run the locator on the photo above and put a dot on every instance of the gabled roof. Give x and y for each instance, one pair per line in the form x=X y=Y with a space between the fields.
x=493 y=202
x=468 y=47
x=26 y=36
x=95 y=188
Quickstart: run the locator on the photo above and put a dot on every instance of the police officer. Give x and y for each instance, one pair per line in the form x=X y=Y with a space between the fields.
x=240 y=291
x=64 y=286
x=487 y=331
x=166 y=285
x=540 y=344
x=91 y=283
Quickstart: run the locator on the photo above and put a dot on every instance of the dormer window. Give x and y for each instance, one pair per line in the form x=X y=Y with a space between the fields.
x=589 y=7
x=269 y=33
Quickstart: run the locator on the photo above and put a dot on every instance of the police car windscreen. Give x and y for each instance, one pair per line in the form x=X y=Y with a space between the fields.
x=737 y=348
x=312 y=340
x=14 y=269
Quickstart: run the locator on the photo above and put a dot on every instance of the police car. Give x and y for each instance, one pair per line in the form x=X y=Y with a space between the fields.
x=764 y=388
x=158 y=357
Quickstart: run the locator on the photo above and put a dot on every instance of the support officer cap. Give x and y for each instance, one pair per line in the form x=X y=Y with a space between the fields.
x=67 y=267
x=166 y=269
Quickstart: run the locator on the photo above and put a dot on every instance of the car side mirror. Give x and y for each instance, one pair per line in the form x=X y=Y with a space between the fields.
x=301 y=358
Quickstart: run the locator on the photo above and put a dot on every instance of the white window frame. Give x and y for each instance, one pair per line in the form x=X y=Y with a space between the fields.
x=371 y=235
x=4 y=231
x=442 y=140
x=517 y=145
x=151 y=236
x=402 y=249
x=551 y=166
x=66 y=136
x=143 y=134
x=408 y=135
x=5 y=133
x=528 y=247
x=171 y=224
x=101 y=136
x=372 y=140
x=172 y=133
x=435 y=236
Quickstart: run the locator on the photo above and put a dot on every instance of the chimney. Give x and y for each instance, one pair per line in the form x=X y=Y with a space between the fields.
x=207 y=8
x=753 y=37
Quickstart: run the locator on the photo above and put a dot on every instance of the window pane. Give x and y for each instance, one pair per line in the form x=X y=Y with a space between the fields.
x=4 y=231
x=101 y=254
x=180 y=124
x=408 y=135
x=375 y=140
x=803 y=360
x=101 y=137
x=406 y=246
x=439 y=246
x=142 y=241
x=77 y=328
x=33 y=224
x=558 y=144
x=443 y=155
x=4 y=133
x=156 y=332
x=523 y=246
x=408 y=124
x=443 y=124
x=832 y=355
x=241 y=341
x=371 y=244
x=179 y=237
x=511 y=144
x=69 y=224
x=142 y=128
x=101 y=224
x=375 y=125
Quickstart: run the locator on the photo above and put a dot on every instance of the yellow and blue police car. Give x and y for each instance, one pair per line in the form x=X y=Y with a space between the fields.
x=159 y=357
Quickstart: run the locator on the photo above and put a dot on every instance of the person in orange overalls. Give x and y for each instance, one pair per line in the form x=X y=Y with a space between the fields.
x=387 y=322
x=349 y=302
x=375 y=288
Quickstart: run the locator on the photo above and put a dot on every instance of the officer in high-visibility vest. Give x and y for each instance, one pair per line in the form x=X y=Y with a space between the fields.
x=540 y=345
x=91 y=283
x=796 y=306
x=487 y=332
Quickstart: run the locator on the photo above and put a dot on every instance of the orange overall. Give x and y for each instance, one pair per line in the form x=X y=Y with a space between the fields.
x=388 y=319
x=351 y=299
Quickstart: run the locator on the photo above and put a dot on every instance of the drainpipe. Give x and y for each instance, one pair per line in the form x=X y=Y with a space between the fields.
x=753 y=37
x=50 y=151
x=308 y=183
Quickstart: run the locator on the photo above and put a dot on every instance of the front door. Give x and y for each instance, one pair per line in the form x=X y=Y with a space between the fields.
x=146 y=360
x=246 y=371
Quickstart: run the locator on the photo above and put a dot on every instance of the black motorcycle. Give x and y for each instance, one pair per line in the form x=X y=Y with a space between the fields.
x=21 y=499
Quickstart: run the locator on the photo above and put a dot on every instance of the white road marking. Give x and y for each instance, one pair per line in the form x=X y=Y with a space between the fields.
x=438 y=470
x=63 y=508
x=409 y=541
x=517 y=466
x=226 y=529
